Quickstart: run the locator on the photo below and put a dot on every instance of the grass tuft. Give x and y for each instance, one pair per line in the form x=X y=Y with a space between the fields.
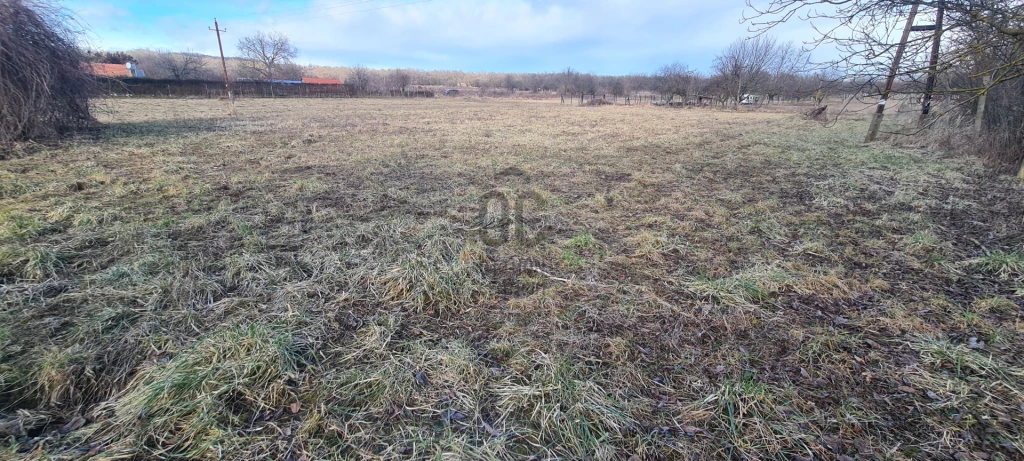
x=425 y=267
x=196 y=403
x=30 y=263
x=999 y=263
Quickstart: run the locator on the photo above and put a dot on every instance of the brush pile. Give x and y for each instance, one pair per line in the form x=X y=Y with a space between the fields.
x=44 y=85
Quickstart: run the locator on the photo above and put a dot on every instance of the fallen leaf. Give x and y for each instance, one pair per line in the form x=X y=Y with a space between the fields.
x=933 y=396
x=907 y=389
x=804 y=373
x=692 y=430
x=295 y=407
x=421 y=378
x=831 y=442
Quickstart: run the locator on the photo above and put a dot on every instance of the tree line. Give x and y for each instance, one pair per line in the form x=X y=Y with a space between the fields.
x=770 y=69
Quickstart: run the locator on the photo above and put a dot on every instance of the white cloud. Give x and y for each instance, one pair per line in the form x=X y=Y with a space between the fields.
x=607 y=36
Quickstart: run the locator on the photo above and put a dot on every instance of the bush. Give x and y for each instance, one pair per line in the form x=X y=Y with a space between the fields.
x=44 y=84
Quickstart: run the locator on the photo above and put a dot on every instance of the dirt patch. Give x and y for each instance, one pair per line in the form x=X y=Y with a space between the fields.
x=511 y=171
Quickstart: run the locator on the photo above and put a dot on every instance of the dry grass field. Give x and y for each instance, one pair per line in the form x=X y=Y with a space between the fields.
x=315 y=279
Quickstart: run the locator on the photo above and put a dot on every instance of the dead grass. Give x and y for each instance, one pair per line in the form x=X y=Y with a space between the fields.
x=307 y=280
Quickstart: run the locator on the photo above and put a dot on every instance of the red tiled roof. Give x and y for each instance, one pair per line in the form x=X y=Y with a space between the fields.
x=110 y=70
x=321 y=81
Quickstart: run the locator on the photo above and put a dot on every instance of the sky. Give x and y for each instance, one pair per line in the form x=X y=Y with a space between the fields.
x=607 y=37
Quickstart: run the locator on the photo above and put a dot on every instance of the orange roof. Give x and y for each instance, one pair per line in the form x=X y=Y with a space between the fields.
x=110 y=70
x=321 y=81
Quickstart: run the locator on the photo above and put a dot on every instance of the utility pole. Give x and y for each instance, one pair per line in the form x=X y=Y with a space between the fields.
x=223 y=62
x=876 y=119
x=933 y=65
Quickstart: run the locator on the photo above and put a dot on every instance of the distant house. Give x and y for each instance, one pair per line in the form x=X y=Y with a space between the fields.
x=320 y=81
x=116 y=70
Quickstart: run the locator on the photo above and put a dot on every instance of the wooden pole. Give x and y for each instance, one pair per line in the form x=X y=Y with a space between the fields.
x=223 y=62
x=876 y=119
x=933 y=64
x=979 y=115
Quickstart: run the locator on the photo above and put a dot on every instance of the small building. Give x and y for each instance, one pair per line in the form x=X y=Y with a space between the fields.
x=128 y=70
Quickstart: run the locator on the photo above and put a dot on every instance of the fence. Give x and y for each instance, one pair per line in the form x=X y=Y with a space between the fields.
x=636 y=99
x=584 y=98
x=141 y=87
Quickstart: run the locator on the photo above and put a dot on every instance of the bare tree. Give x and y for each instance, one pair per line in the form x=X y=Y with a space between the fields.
x=290 y=71
x=618 y=88
x=510 y=82
x=263 y=52
x=787 y=62
x=359 y=80
x=400 y=78
x=674 y=79
x=983 y=41
x=745 y=64
x=181 y=66
x=569 y=79
x=586 y=83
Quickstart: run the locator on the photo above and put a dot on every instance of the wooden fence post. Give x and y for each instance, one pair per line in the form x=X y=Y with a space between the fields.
x=979 y=115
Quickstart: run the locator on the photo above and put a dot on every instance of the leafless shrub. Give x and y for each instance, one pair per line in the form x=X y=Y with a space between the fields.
x=44 y=84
